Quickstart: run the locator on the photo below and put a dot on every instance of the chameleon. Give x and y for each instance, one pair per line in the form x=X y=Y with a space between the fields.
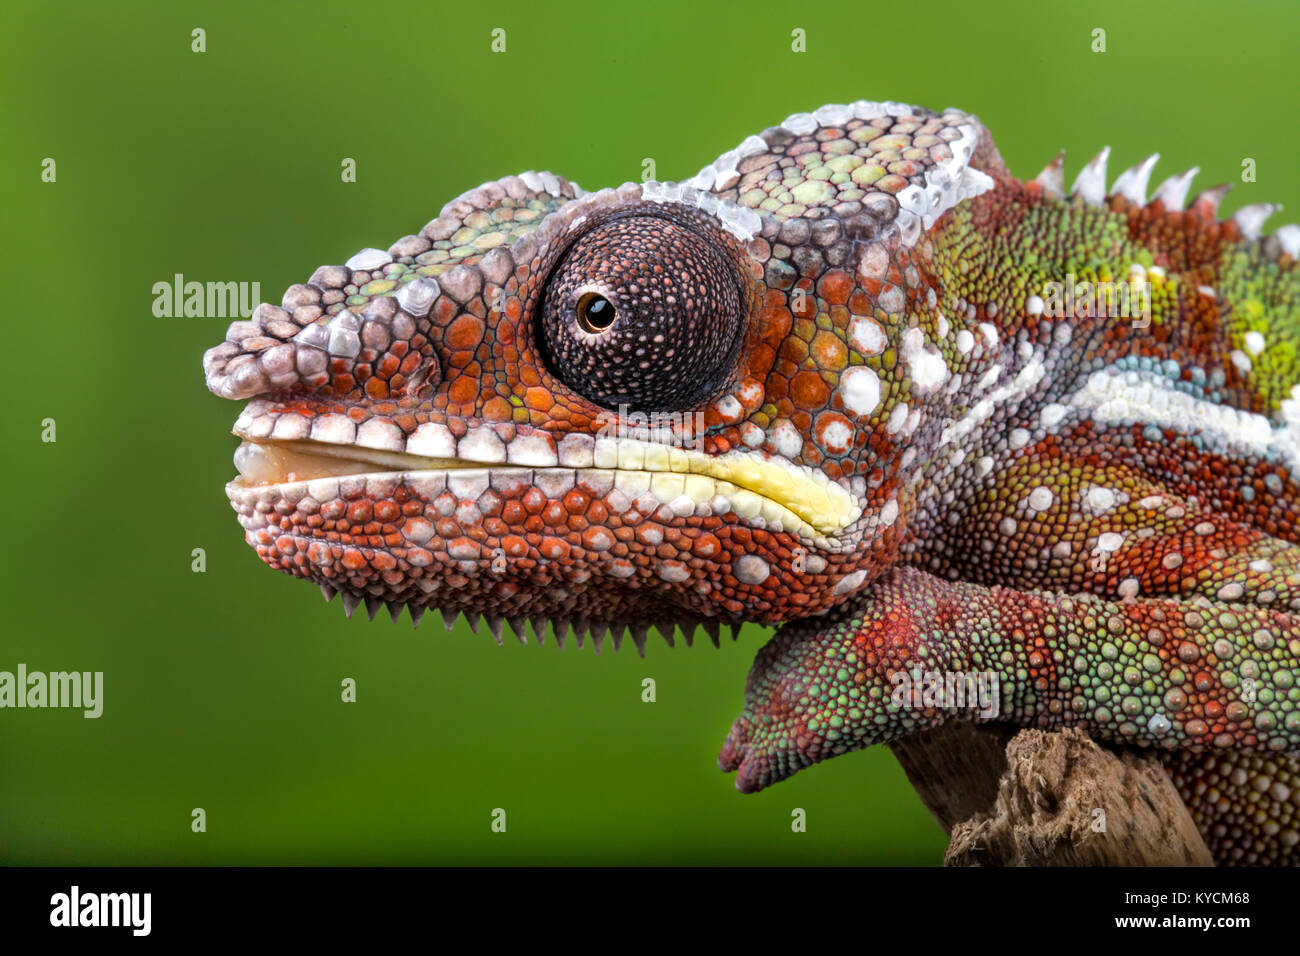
x=853 y=379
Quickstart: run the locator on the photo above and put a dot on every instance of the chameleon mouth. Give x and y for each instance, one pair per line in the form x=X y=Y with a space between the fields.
x=800 y=501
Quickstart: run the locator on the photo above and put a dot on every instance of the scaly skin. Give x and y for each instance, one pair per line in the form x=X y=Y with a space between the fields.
x=884 y=429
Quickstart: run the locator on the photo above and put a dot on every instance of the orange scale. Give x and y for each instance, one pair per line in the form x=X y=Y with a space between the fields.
x=462 y=391
x=554 y=549
x=514 y=545
x=835 y=287
x=538 y=397
x=497 y=410
x=809 y=391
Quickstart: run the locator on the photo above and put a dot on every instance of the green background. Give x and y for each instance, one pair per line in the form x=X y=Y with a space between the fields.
x=222 y=688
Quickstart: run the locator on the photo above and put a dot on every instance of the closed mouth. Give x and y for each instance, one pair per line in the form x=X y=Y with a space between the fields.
x=785 y=497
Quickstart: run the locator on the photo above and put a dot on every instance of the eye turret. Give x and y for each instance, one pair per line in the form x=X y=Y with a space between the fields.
x=642 y=311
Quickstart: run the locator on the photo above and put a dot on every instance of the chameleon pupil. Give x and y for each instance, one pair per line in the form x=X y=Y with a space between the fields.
x=595 y=313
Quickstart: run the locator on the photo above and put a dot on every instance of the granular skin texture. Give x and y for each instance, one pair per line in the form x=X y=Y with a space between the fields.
x=856 y=379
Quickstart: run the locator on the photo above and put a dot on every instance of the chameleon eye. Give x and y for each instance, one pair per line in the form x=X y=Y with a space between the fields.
x=643 y=311
x=595 y=314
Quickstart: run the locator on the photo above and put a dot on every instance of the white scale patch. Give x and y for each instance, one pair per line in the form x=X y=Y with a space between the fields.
x=751 y=569
x=860 y=389
x=1116 y=396
x=928 y=369
x=837 y=437
x=1110 y=541
x=897 y=418
x=920 y=205
x=1041 y=498
x=867 y=336
x=1024 y=382
x=1051 y=415
x=369 y=259
x=786 y=439
x=1099 y=500
x=742 y=223
x=888 y=513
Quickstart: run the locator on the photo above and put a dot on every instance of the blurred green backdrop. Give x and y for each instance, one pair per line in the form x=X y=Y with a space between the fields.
x=222 y=688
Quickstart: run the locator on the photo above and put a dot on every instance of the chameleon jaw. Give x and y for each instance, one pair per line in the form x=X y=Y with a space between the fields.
x=616 y=546
x=780 y=496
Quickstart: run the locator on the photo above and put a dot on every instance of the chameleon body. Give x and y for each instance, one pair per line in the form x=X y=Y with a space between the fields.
x=854 y=378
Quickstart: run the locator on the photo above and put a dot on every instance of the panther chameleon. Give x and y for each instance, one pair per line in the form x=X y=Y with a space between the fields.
x=853 y=378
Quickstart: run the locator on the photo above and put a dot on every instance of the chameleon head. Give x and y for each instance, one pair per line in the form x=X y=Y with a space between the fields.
x=662 y=403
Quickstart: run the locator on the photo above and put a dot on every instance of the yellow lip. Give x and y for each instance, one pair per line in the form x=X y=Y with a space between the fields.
x=752 y=485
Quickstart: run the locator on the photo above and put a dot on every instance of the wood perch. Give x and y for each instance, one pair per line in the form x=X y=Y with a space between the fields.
x=1035 y=798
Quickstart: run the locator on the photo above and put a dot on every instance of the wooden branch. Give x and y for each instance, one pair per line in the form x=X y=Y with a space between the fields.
x=1035 y=798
